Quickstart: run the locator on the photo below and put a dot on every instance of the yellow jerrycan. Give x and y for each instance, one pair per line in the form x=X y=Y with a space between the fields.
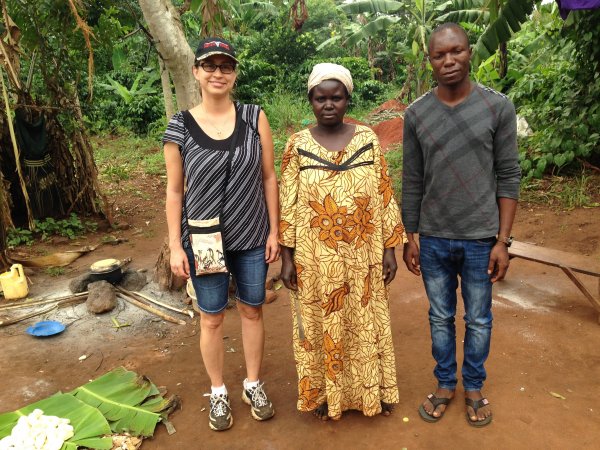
x=14 y=283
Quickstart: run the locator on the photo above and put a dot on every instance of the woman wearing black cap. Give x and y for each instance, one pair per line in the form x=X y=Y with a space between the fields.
x=235 y=182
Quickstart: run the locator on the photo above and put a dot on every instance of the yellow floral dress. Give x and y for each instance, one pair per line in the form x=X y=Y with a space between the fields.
x=338 y=212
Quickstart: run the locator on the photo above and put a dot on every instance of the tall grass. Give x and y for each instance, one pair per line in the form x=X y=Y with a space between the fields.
x=393 y=157
x=287 y=114
x=118 y=157
x=563 y=192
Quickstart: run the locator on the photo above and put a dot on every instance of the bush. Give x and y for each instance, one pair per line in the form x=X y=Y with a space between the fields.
x=256 y=79
x=141 y=112
x=558 y=97
x=283 y=47
x=130 y=100
x=370 y=91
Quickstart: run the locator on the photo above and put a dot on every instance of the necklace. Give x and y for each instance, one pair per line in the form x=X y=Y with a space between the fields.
x=218 y=130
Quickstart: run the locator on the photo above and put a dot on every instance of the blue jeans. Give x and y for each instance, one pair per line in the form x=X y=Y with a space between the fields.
x=442 y=261
x=249 y=270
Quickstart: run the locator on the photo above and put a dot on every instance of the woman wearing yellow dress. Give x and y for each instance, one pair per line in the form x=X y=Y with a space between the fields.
x=339 y=225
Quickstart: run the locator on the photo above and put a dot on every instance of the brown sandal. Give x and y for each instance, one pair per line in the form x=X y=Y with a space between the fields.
x=435 y=401
x=476 y=404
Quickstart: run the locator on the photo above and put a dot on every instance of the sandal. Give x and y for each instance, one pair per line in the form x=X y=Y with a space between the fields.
x=435 y=401
x=476 y=404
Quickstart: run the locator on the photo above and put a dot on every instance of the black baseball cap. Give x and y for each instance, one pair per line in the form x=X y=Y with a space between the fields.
x=215 y=46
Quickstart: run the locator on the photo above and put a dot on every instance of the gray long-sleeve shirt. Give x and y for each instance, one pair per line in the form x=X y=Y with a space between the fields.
x=457 y=162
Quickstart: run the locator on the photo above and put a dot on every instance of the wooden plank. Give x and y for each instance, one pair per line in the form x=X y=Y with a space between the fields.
x=557 y=258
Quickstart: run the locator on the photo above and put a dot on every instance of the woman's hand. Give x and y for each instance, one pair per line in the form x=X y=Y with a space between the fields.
x=180 y=265
x=288 y=269
x=389 y=265
x=272 y=249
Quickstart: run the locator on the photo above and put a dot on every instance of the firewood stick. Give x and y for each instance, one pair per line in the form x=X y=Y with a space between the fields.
x=164 y=305
x=64 y=299
x=156 y=302
x=4 y=323
x=152 y=310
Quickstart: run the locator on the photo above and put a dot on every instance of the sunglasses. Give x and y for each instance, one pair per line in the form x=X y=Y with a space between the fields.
x=225 y=68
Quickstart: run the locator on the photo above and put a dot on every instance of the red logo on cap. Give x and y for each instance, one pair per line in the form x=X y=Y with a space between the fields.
x=216 y=44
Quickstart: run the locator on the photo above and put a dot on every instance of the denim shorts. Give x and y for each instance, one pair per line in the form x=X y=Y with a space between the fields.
x=249 y=270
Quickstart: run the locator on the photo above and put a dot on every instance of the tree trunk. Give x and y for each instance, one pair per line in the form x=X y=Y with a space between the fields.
x=166 y=87
x=163 y=275
x=5 y=223
x=164 y=24
x=503 y=60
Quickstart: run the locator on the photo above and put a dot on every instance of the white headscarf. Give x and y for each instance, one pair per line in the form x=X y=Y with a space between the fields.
x=329 y=71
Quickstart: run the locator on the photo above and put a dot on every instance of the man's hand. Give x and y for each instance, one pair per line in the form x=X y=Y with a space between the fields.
x=389 y=265
x=410 y=255
x=288 y=269
x=498 y=264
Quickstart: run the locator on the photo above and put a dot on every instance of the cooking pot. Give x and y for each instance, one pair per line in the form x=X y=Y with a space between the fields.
x=107 y=270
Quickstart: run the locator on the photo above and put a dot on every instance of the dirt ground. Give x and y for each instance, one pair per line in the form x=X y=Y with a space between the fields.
x=545 y=340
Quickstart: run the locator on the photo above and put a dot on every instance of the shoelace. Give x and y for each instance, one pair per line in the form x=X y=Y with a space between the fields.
x=259 y=398
x=218 y=404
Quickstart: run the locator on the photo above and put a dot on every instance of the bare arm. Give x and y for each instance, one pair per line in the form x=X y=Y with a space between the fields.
x=174 y=203
x=508 y=173
x=270 y=185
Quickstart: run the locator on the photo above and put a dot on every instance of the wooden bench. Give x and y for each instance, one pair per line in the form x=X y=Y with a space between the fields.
x=568 y=262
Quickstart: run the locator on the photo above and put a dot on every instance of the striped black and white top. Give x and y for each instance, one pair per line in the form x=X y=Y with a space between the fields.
x=245 y=217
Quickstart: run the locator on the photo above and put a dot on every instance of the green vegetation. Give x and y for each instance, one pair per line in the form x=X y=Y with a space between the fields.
x=393 y=158
x=19 y=236
x=550 y=68
x=562 y=192
x=55 y=271
x=119 y=157
x=555 y=85
x=547 y=66
x=70 y=227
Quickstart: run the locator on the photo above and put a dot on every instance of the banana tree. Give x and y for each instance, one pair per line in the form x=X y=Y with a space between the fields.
x=128 y=94
x=374 y=16
x=379 y=15
x=245 y=14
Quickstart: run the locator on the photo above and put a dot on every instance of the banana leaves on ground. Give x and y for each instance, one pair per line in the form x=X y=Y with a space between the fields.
x=119 y=401
x=130 y=402
x=88 y=423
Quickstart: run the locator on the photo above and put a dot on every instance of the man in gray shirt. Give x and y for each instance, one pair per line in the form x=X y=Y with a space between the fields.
x=460 y=187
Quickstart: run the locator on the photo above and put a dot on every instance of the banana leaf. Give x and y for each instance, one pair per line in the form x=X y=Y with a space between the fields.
x=512 y=15
x=87 y=422
x=371 y=28
x=130 y=403
x=372 y=6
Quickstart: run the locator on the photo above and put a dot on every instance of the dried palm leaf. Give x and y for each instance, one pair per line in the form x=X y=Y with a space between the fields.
x=58 y=259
